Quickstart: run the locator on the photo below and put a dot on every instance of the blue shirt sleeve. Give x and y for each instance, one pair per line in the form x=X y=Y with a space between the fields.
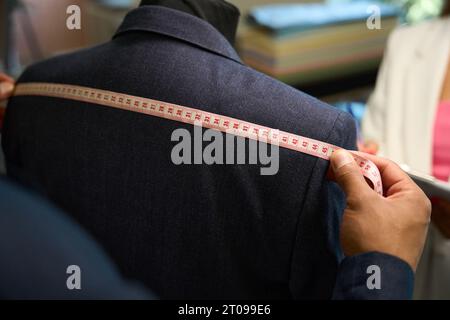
x=374 y=276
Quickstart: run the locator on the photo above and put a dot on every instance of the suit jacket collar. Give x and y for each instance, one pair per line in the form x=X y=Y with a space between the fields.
x=179 y=25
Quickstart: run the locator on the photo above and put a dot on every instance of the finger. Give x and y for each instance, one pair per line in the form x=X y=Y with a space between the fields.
x=347 y=173
x=6 y=86
x=6 y=89
x=391 y=173
x=5 y=77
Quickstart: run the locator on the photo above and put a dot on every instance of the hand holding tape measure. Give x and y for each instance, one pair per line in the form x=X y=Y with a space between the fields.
x=395 y=224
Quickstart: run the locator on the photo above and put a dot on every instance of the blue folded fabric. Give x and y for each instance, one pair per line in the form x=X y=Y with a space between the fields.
x=117 y=4
x=305 y=16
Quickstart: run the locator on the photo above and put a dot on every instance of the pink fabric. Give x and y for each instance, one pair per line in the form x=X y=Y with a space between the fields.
x=441 y=143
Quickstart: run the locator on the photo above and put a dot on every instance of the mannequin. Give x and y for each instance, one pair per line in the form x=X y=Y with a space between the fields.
x=220 y=14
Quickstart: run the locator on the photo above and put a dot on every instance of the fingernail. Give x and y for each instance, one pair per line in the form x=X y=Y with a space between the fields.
x=6 y=88
x=340 y=158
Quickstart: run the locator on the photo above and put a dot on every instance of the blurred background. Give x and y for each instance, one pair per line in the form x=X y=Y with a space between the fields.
x=330 y=56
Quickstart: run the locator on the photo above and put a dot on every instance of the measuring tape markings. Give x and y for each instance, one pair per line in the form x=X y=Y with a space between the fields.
x=197 y=117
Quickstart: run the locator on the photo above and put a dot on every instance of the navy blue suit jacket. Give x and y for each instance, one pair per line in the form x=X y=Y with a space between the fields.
x=186 y=231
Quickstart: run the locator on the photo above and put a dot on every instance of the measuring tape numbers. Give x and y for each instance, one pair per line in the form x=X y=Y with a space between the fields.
x=197 y=117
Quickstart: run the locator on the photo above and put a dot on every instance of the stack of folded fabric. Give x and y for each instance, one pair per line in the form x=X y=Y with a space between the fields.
x=307 y=43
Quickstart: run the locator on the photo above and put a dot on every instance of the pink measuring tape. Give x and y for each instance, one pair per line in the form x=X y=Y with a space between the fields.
x=197 y=117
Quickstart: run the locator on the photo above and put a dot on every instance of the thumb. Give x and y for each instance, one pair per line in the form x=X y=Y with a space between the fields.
x=347 y=172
